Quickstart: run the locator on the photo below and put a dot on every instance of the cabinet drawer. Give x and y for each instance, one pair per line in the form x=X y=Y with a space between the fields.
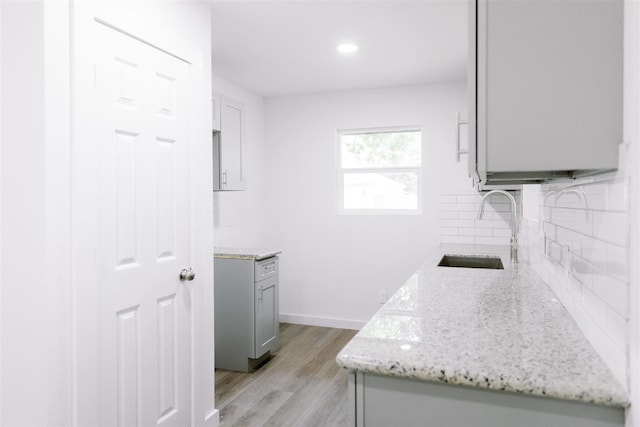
x=266 y=268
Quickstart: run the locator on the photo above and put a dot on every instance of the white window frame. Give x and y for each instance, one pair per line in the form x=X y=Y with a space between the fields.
x=341 y=172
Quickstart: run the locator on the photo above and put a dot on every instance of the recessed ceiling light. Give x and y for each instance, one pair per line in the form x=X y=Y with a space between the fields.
x=347 y=48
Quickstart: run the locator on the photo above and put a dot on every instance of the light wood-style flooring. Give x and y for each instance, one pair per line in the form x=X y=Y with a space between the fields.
x=300 y=386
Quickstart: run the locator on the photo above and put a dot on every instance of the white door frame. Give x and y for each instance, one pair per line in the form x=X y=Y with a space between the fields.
x=1 y=326
x=165 y=28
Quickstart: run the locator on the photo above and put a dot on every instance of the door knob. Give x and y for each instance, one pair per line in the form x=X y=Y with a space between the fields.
x=187 y=274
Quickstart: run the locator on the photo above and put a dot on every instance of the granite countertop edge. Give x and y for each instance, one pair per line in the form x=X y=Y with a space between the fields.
x=257 y=254
x=369 y=353
x=445 y=376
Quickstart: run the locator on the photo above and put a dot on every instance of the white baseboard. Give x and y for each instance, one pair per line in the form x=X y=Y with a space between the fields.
x=213 y=419
x=326 y=322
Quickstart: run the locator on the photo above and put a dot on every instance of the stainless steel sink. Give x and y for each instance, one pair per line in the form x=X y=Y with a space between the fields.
x=471 y=261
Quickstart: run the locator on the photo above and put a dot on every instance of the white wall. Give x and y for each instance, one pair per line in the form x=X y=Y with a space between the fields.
x=32 y=341
x=36 y=313
x=334 y=266
x=631 y=136
x=239 y=216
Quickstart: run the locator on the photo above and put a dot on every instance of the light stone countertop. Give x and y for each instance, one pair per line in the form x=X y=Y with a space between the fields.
x=493 y=329
x=245 y=253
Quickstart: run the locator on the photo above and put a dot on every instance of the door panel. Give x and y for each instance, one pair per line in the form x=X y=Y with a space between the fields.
x=128 y=367
x=266 y=316
x=167 y=356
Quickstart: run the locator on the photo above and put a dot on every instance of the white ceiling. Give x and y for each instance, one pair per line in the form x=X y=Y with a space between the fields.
x=280 y=48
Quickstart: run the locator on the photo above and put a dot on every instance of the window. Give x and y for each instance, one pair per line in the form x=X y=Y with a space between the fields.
x=380 y=170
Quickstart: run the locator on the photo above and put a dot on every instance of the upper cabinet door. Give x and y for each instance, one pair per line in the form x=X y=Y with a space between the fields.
x=229 y=173
x=546 y=89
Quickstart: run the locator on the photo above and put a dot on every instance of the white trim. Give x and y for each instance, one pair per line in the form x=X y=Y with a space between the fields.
x=327 y=322
x=381 y=129
x=631 y=136
x=1 y=286
x=57 y=149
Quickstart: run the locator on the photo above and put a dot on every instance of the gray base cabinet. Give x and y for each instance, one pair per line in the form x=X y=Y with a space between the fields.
x=377 y=400
x=246 y=312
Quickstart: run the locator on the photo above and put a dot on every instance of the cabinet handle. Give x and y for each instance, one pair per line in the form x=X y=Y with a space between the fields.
x=224 y=178
x=260 y=293
x=458 y=124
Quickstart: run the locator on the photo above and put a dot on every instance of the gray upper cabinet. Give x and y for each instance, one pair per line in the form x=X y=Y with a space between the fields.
x=545 y=83
x=228 y=166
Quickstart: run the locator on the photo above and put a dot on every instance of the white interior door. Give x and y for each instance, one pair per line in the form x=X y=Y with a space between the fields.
x=141 y=211
x=143 y=193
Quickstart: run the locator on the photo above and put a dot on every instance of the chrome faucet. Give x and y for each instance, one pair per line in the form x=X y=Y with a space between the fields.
x=514 y=222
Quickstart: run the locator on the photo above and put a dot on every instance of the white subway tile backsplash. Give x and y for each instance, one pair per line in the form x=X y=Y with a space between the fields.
x=601 y=341
x=453 y=207
x=497 y=207
x=502 y=232
x=595 y=307
x=449 y=231
x=547 y=198
x=485 y=223
x=457 y=223
x=549 y=230
x=595 y=196
x=469 y=198
x=617 y=196
x=582 y=270
x=617 y=329
x=580 y=248
x=569 y=238
x=460 y=223
x=448 y=214
x=573 y=219
x=570 y=199
x=611 y=227
x=448 y=223
x=468 y=215
x=500 y=216
x=492 y=240
x=500 y=199
x=468 y=207
x=476 y=232
x=555 y=252
x=613 y=292
x=575 y=289
x=617 y=262
x=458 y=239
x=594 y=251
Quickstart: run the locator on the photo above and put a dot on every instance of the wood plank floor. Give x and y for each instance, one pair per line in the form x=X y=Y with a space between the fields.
x=300 y=386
